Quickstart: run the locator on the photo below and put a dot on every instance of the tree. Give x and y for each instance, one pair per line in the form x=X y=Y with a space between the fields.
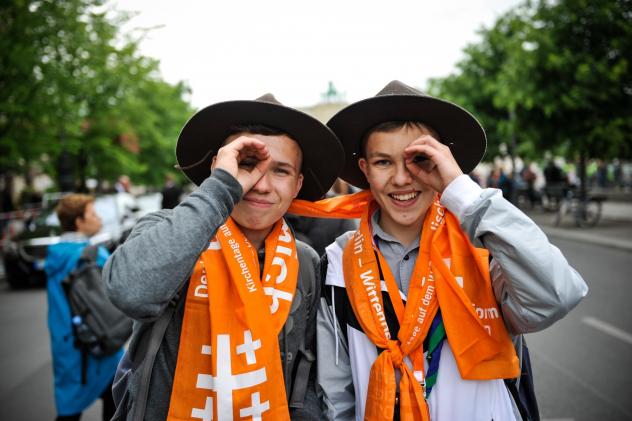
x=582 y=76
x=492 y=82
x=41 y=46
x=72 y=86
x=557 y=74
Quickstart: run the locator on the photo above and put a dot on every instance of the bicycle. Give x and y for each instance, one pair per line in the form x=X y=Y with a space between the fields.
x=586 y=212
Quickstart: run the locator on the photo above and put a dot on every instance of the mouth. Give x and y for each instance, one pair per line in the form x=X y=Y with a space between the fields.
x=258 y=203
x=404 y=198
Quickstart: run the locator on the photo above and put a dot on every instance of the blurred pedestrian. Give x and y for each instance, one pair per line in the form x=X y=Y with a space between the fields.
x=499 y=180
x=617 y=173
x=79 y=222
x=123 y=184
x=528 y=177
x=171 y=193
x=556 y=183
x=601 y=176
x=553 y=174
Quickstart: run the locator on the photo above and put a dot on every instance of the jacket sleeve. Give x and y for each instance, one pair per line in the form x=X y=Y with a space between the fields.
x=532 y=281
x=335 y=381
x=145 y=272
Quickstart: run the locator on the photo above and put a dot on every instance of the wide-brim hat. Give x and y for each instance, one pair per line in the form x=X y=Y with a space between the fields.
x=456 y=127
x=204 y=133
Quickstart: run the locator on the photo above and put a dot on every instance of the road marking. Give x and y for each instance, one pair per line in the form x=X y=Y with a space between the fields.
x=608 y=329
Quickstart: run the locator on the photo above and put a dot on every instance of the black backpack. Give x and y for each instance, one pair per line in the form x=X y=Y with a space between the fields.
x=100 y=329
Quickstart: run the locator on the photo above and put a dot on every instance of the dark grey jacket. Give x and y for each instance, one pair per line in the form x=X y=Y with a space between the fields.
x=155 y=263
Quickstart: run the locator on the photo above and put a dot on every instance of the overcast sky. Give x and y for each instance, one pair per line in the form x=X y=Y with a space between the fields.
x=242 y=49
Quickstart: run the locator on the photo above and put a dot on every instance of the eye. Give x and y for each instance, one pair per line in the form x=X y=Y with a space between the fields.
x=281 y=171
x=381 y=162
x=418 y=159
x=247 y=163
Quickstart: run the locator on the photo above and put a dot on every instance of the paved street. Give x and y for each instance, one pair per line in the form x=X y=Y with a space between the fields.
x=26 y=380
x=582 y=365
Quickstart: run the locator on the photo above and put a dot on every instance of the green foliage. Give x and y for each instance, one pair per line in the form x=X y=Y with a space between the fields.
x=582 y=74
x=69 y=81
x=556 y=75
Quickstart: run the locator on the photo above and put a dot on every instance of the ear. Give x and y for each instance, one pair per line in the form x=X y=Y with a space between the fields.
x=364 y=166
x=299 y=184
x=213 y=162
x=79 y=223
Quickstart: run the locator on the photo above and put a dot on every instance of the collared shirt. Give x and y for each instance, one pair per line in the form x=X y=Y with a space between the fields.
x=400 y=258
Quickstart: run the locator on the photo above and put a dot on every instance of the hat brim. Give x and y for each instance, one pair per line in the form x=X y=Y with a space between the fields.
x=456 y=127
x=204 y=133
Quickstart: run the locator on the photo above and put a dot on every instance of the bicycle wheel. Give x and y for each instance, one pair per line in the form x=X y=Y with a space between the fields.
x=589 y=213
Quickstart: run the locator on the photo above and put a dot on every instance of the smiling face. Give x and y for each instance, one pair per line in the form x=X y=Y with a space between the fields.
x=263 y=205
x=403 y=200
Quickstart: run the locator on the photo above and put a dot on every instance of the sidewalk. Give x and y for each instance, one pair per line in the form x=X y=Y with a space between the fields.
x=613 y=230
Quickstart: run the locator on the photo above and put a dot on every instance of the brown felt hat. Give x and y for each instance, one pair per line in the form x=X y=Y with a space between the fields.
x=204 y=133
x=456 y=127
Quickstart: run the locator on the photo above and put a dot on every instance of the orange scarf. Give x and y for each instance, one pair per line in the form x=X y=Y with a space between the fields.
x=462 y=289
x=229 y=364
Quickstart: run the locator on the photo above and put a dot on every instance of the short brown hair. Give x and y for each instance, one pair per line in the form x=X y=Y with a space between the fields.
x=391 y=126
x=70 y=208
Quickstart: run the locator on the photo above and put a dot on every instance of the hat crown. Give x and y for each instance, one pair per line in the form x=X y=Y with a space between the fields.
x=268 y=98
x=397 y=101
x=396 y=87
x=204 y=133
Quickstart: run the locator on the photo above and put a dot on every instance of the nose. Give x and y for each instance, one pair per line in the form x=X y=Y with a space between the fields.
x=263 y=185
x=402 y=176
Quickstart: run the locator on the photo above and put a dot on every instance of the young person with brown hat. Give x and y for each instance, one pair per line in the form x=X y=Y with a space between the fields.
x=224 y=296
x=424 y=306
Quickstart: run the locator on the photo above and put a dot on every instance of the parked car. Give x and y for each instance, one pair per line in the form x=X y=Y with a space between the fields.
x=24 y=253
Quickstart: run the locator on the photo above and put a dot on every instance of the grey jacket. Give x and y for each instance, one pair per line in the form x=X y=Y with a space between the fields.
x=532 y=281
x=155 y=263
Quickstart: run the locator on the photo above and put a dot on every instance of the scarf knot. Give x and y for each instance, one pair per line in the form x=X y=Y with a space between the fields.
x=393 y=347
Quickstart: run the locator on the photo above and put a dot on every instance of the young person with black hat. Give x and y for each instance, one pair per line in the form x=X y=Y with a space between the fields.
x=239 y=293
x=424 y=306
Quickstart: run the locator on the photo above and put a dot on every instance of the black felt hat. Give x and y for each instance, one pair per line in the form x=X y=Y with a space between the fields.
x=456 y=127
x=204 y=133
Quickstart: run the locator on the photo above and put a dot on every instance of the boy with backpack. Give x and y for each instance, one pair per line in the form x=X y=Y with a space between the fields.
x=80 y=377
x=224 y=296
x=424 y=306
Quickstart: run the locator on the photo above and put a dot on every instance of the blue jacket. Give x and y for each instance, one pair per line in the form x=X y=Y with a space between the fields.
x=71 y=396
